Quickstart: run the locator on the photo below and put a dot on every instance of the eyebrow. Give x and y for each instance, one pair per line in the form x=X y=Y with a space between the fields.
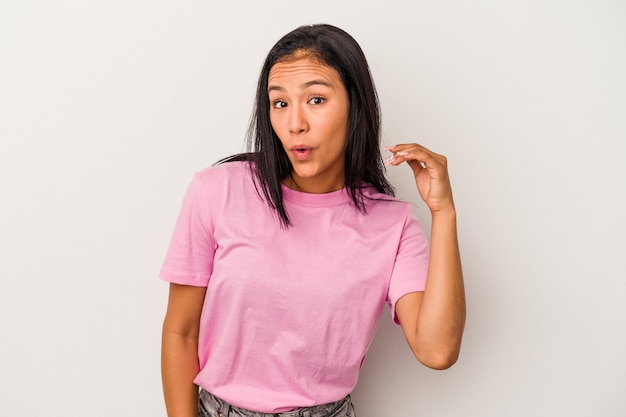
x=303 y=86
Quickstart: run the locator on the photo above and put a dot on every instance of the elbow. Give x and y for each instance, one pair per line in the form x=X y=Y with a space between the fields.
x=440 y=359
x=440 y=363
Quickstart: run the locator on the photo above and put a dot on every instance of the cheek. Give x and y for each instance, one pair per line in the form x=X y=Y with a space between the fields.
x=278 y=131
x=275 y=125
x=341 y=129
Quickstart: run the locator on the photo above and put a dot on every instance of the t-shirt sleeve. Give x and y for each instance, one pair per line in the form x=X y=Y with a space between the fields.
x=411 y=265
x=189 y=258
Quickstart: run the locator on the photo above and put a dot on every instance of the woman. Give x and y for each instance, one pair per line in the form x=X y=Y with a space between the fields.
x=282 y=259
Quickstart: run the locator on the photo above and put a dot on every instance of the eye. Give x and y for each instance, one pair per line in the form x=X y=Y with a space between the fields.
x=279 y=104
x=317 y=100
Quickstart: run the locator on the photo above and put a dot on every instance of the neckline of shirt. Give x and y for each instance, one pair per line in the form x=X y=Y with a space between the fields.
x=315 y=200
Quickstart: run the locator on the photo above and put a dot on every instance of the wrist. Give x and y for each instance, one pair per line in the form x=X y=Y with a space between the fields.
x=444 y=214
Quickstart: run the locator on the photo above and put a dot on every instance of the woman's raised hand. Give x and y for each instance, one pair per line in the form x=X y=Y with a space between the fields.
x=431 y=174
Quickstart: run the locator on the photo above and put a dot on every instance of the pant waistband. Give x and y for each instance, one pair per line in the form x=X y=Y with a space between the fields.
x=212 y=404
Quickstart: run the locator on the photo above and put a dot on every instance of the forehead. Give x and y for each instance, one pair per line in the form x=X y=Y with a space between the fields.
x=298 y=70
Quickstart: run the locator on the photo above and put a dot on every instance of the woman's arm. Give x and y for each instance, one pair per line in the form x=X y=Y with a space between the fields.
x=433 y=320
x=179 y=350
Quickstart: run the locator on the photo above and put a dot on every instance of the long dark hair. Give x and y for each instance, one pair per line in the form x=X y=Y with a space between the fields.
x=363 y=163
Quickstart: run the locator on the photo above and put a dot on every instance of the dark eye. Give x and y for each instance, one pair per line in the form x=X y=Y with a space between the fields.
x=317 y=100
x=279 y=104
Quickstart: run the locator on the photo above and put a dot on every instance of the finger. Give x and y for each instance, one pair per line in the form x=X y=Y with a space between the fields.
x=415 y=162
x=396 y=158
x=406 y=146
x=426 y=159
x=411 y=148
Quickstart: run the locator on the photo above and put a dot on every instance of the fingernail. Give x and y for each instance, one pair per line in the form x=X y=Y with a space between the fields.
x=390 y=159
x=389 y=147
x=402 y=153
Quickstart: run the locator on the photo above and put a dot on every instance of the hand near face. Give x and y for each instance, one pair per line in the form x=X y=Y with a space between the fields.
x=431 y=174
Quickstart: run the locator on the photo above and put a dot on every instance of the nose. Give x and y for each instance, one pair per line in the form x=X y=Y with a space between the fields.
x=297 y=120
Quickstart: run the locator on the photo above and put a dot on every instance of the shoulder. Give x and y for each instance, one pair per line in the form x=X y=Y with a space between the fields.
x=220 y=182
x=378 y=203
x=225 y=170
x=224 y=175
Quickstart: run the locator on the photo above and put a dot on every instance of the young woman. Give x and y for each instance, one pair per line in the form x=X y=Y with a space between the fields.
x=282 y=258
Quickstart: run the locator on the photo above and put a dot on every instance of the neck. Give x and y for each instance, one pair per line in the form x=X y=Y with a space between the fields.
x=313 y=186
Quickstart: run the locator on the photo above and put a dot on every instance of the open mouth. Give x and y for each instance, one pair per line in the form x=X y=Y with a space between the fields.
x=301 y=152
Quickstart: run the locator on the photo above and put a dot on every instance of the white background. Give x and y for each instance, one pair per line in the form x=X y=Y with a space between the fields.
x=108 y=108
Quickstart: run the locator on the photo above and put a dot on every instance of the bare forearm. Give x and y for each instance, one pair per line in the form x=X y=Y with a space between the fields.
x=179 y=367
x=442 y=313
x=433 y=321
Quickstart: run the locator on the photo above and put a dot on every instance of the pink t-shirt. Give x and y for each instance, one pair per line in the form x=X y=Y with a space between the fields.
x=289 y=313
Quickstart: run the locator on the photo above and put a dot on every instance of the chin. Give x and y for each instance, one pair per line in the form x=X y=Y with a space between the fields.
x=305 y=173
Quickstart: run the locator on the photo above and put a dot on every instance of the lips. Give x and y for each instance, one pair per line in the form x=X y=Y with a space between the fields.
x=301 y=152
